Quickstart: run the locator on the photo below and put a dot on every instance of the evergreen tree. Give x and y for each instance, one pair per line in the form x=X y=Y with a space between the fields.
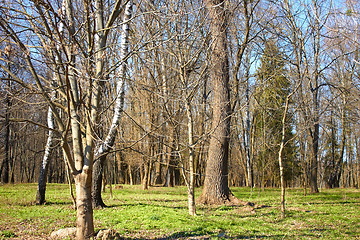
x=273 y=87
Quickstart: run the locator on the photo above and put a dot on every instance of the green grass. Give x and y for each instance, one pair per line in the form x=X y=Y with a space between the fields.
x=162 y=213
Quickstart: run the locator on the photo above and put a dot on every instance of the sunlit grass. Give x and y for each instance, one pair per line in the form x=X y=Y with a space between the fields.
x=162 y=212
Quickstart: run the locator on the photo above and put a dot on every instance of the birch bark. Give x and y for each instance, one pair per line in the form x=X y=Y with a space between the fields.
x=107 y=145
x=40 y=196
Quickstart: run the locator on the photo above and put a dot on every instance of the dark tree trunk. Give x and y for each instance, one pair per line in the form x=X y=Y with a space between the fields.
x=170 y=182
x=314 y=160
x=98 y=170
x=171 y=170
x=158 y=164
x=145 y=178
x=40 y=196
x=6 y=162
x=216 y=189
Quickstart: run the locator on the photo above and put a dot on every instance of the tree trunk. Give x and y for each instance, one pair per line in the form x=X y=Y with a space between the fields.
x=158 y=164
x=191 y=182
x=130 y=175
x=249 y=165
x=40 y=196
x=314 y=160
x=216 y=190
x=281 y=163
x=105 y=148
x=172 y=160
x=84 y=223
x=98 y=170
x=5 y=167
x=145 y=178
x=6 y=162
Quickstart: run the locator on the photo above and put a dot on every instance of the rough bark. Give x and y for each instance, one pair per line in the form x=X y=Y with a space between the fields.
x=172 y=160
x=216 y=190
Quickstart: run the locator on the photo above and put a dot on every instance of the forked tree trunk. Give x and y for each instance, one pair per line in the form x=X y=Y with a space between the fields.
x=108 y=144
x=216 y=190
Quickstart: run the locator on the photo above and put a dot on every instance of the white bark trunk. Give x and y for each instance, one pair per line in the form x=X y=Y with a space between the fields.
x=108 y=144
x=40 y=197
x=120 y=84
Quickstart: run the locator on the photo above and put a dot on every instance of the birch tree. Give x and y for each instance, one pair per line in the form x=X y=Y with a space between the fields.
x=104 y=149
x=40 y=195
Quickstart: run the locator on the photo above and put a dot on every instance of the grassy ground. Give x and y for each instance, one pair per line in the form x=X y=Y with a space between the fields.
x=161 y=213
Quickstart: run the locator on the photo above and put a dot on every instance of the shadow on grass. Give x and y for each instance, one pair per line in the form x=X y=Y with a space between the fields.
x=57 y=203
x=144 y=205
x=210 y=235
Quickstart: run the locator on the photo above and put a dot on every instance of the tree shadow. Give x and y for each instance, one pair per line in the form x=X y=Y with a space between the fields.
x=144 y=205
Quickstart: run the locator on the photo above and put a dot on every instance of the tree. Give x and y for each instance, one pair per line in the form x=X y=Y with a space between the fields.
x=79 y=82
x=272 y=96
x=5 y=166
x=216 y=189
x=40 y=195
x=104 y=149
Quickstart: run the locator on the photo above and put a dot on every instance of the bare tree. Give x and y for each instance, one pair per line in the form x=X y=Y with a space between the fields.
x=216 y=189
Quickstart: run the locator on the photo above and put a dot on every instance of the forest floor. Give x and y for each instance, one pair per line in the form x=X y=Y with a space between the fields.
x=161 y=213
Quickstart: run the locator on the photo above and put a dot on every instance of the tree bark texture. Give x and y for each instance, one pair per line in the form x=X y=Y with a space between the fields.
x=216 y=190
x=84 y=222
